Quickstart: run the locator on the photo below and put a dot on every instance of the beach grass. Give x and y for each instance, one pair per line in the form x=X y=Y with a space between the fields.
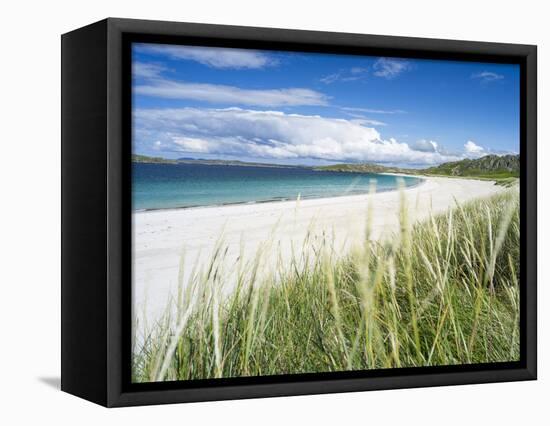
x=441 y=292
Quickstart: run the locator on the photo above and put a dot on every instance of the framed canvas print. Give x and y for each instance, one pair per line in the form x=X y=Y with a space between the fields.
x=252 y=212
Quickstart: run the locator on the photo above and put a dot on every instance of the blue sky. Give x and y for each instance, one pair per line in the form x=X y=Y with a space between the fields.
x=306 y=108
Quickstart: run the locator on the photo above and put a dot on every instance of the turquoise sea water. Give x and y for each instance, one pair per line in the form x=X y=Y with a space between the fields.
x=161 y=186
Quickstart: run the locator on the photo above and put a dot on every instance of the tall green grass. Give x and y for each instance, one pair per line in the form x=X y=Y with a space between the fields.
x=441 y=292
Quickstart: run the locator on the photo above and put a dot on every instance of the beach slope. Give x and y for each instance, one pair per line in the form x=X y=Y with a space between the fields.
x=161 y=237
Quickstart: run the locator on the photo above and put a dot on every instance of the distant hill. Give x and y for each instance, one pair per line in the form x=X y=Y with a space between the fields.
x=364 y=168
x=136 y=158
x=231 y=163
x=490 y=166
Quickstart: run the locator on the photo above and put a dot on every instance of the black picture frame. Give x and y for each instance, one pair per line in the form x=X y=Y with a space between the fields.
x=96 y=221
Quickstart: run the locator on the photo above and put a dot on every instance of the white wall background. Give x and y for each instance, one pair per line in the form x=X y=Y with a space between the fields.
x=30 y=199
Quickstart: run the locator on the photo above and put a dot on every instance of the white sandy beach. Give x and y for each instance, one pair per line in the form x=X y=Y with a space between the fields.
x=160 y=237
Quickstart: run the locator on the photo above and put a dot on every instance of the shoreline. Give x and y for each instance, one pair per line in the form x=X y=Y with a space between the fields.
x=161 y=236
x=422 y=180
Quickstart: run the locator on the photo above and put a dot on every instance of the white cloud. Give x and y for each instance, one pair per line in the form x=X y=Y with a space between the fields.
x=273 y=135
x=146 y=70
x=473 y=150
x=215 y=93
x=374 y=111
x=353 y=74
x=366 y=121
x=487 y=76
x=361 y=119
x=216 y=57
x=390 y=68
x=425 y=146
x=191 y=144
x=330 y=78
